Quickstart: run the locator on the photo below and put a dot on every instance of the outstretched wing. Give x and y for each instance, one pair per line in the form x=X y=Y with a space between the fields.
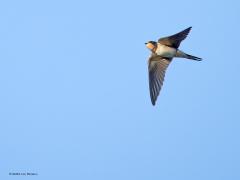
x=157 y=66
x=175 y=40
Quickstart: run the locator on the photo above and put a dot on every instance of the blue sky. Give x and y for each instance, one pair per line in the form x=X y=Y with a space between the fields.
x=74 y=97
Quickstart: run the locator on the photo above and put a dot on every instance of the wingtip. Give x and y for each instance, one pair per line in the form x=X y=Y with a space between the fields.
x=153 y=102
x=189 y=28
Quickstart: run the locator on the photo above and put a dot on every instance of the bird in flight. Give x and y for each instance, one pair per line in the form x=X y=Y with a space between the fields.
x=162 y=54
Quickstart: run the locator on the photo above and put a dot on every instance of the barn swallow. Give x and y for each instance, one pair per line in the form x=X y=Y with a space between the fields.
x=162 y=54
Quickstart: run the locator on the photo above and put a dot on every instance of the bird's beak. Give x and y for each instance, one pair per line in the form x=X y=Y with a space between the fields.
x=145 y=43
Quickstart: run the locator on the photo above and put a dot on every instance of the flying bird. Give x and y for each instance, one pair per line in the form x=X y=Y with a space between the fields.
x=162 y=54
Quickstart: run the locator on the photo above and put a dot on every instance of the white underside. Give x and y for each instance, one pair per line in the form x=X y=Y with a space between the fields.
x=166 y=51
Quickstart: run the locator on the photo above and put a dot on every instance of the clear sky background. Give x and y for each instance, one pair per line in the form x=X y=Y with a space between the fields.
x=74 y=97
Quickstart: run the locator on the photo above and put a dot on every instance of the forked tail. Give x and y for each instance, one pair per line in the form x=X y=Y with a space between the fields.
x=193 y=57
x=181 y=54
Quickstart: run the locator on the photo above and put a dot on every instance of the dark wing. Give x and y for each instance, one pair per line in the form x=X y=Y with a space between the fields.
x=156 y=67
x=175 y=40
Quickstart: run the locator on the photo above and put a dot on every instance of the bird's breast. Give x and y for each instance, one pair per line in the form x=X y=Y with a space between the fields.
x=165 y=51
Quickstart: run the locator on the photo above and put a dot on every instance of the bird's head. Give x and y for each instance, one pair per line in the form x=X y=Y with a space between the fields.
x=151 y=45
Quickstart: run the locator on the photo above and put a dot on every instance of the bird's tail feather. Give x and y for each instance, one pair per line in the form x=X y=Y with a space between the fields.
x=181 y=54
x=188 y=56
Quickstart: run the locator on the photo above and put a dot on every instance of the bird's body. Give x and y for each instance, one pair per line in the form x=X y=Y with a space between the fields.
x=163 y=52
